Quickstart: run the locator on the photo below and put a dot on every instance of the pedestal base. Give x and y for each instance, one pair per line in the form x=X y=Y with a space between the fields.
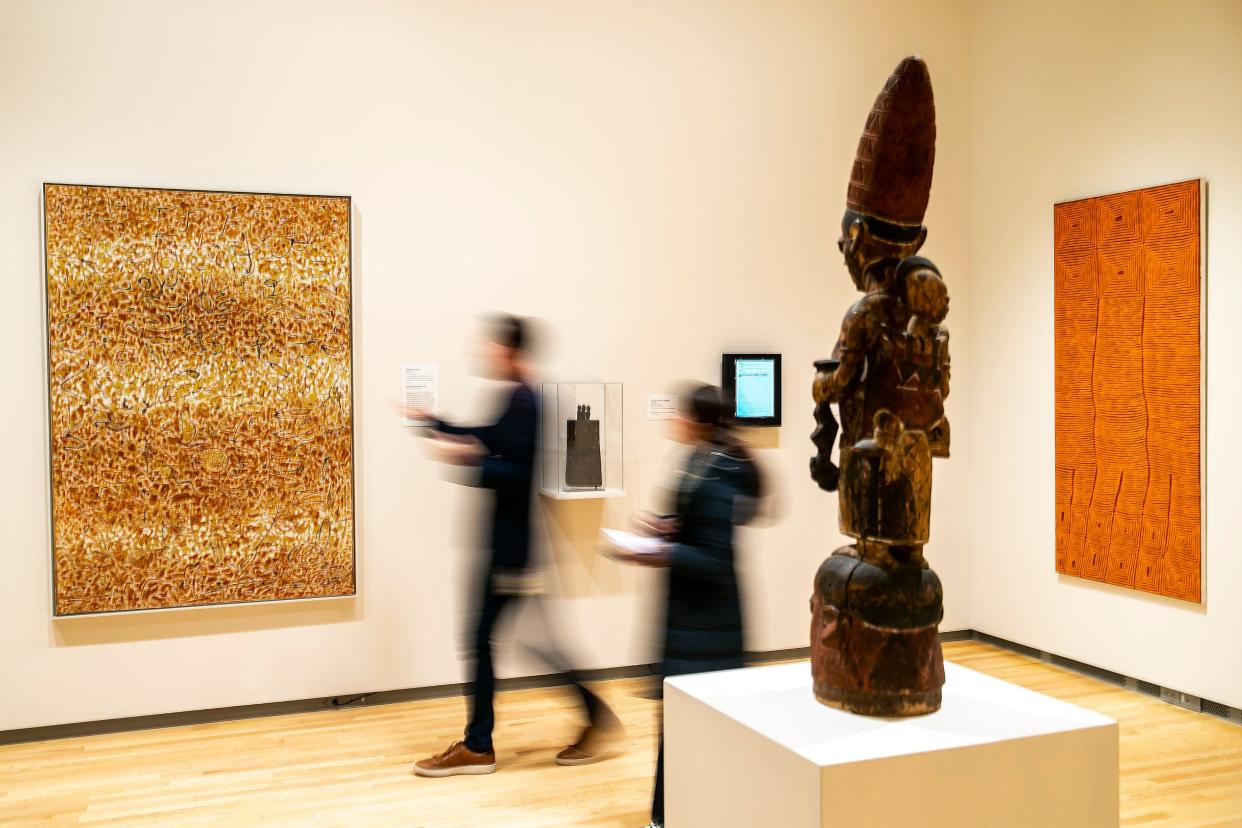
x=754 y=748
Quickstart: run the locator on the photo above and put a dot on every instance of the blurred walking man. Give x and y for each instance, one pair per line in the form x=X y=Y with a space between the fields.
x=504 y=454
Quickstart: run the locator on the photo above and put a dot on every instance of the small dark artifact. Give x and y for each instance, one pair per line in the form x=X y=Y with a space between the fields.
x=875 y=646
x=583 y=467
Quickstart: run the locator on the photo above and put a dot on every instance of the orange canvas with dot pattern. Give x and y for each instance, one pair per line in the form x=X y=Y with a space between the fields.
x=1128 y=311
x=199 y=363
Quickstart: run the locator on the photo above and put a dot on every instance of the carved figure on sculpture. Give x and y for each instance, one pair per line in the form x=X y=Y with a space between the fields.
x=877 y=604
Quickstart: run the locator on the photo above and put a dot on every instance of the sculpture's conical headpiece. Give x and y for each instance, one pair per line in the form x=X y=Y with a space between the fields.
x=892 y=172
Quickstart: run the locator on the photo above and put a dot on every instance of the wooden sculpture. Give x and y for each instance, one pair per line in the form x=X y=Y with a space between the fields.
x=874 y=639
x=1128 y=389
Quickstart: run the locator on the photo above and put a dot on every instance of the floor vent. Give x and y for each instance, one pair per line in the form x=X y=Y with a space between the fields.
x=1147 y=688
x=1212 y=708
x=1089 y=670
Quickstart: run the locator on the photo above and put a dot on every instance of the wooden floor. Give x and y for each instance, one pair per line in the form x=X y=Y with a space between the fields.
x=352 y=767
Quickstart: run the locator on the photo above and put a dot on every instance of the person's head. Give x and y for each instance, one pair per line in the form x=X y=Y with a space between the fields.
x=701 y=414
x=507 y=344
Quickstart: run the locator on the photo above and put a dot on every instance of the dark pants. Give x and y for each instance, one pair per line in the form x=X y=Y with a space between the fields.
x=657 y=799
x=483 y=689
x=657 y=796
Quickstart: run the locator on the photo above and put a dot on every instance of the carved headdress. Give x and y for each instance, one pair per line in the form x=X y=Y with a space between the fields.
x=891 y=180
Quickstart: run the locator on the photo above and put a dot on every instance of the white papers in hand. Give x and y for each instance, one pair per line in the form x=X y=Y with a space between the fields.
x=617 y=540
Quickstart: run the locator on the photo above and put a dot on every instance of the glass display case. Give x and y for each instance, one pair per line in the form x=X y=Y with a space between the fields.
x=582 y=450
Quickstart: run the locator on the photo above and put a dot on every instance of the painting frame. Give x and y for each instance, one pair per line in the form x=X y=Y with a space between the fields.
x=54 y=592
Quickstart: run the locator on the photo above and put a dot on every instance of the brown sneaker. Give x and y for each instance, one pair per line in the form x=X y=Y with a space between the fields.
x=458 y=760
x=595 y=745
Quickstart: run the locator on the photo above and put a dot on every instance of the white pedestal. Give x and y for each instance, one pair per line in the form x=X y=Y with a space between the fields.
x=752 y=748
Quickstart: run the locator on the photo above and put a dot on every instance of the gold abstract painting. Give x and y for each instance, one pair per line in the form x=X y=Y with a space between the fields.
x=199 y=370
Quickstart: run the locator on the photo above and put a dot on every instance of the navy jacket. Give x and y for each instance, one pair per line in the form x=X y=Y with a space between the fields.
x=703 y=625
x=508 y=470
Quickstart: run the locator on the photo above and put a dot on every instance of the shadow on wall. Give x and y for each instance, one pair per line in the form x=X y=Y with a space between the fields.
x=761 y=438
x=772 y=508
x=201 y=621
x=1133 y=594
x=573 y=546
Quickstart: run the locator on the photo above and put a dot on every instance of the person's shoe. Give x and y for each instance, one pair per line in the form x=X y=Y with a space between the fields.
x=595 y=745
x=458 y=760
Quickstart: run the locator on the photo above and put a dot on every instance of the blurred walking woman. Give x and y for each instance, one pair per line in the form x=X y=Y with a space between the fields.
x=717 y=490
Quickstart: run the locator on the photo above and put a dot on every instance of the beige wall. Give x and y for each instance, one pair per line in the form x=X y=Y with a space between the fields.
x=660 y=181
x=1074 y=99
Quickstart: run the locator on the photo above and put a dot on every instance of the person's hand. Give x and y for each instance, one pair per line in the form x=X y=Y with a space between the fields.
x=652 y=559
x=654 y=525
x=458 y=451
x=413 y=412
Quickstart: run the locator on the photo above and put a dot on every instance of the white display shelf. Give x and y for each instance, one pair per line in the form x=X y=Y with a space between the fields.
x=754 y=747
x=585 y=494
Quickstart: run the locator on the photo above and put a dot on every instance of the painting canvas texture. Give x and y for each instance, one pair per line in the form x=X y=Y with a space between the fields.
x=1128 y=310
x=200 y=411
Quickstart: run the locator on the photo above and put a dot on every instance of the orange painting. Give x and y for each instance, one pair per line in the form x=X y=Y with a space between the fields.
x=1128 y=309
x=200 y=381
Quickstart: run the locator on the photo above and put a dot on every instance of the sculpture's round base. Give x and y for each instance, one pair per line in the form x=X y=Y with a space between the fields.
x=875 y=648
x=864 y=703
